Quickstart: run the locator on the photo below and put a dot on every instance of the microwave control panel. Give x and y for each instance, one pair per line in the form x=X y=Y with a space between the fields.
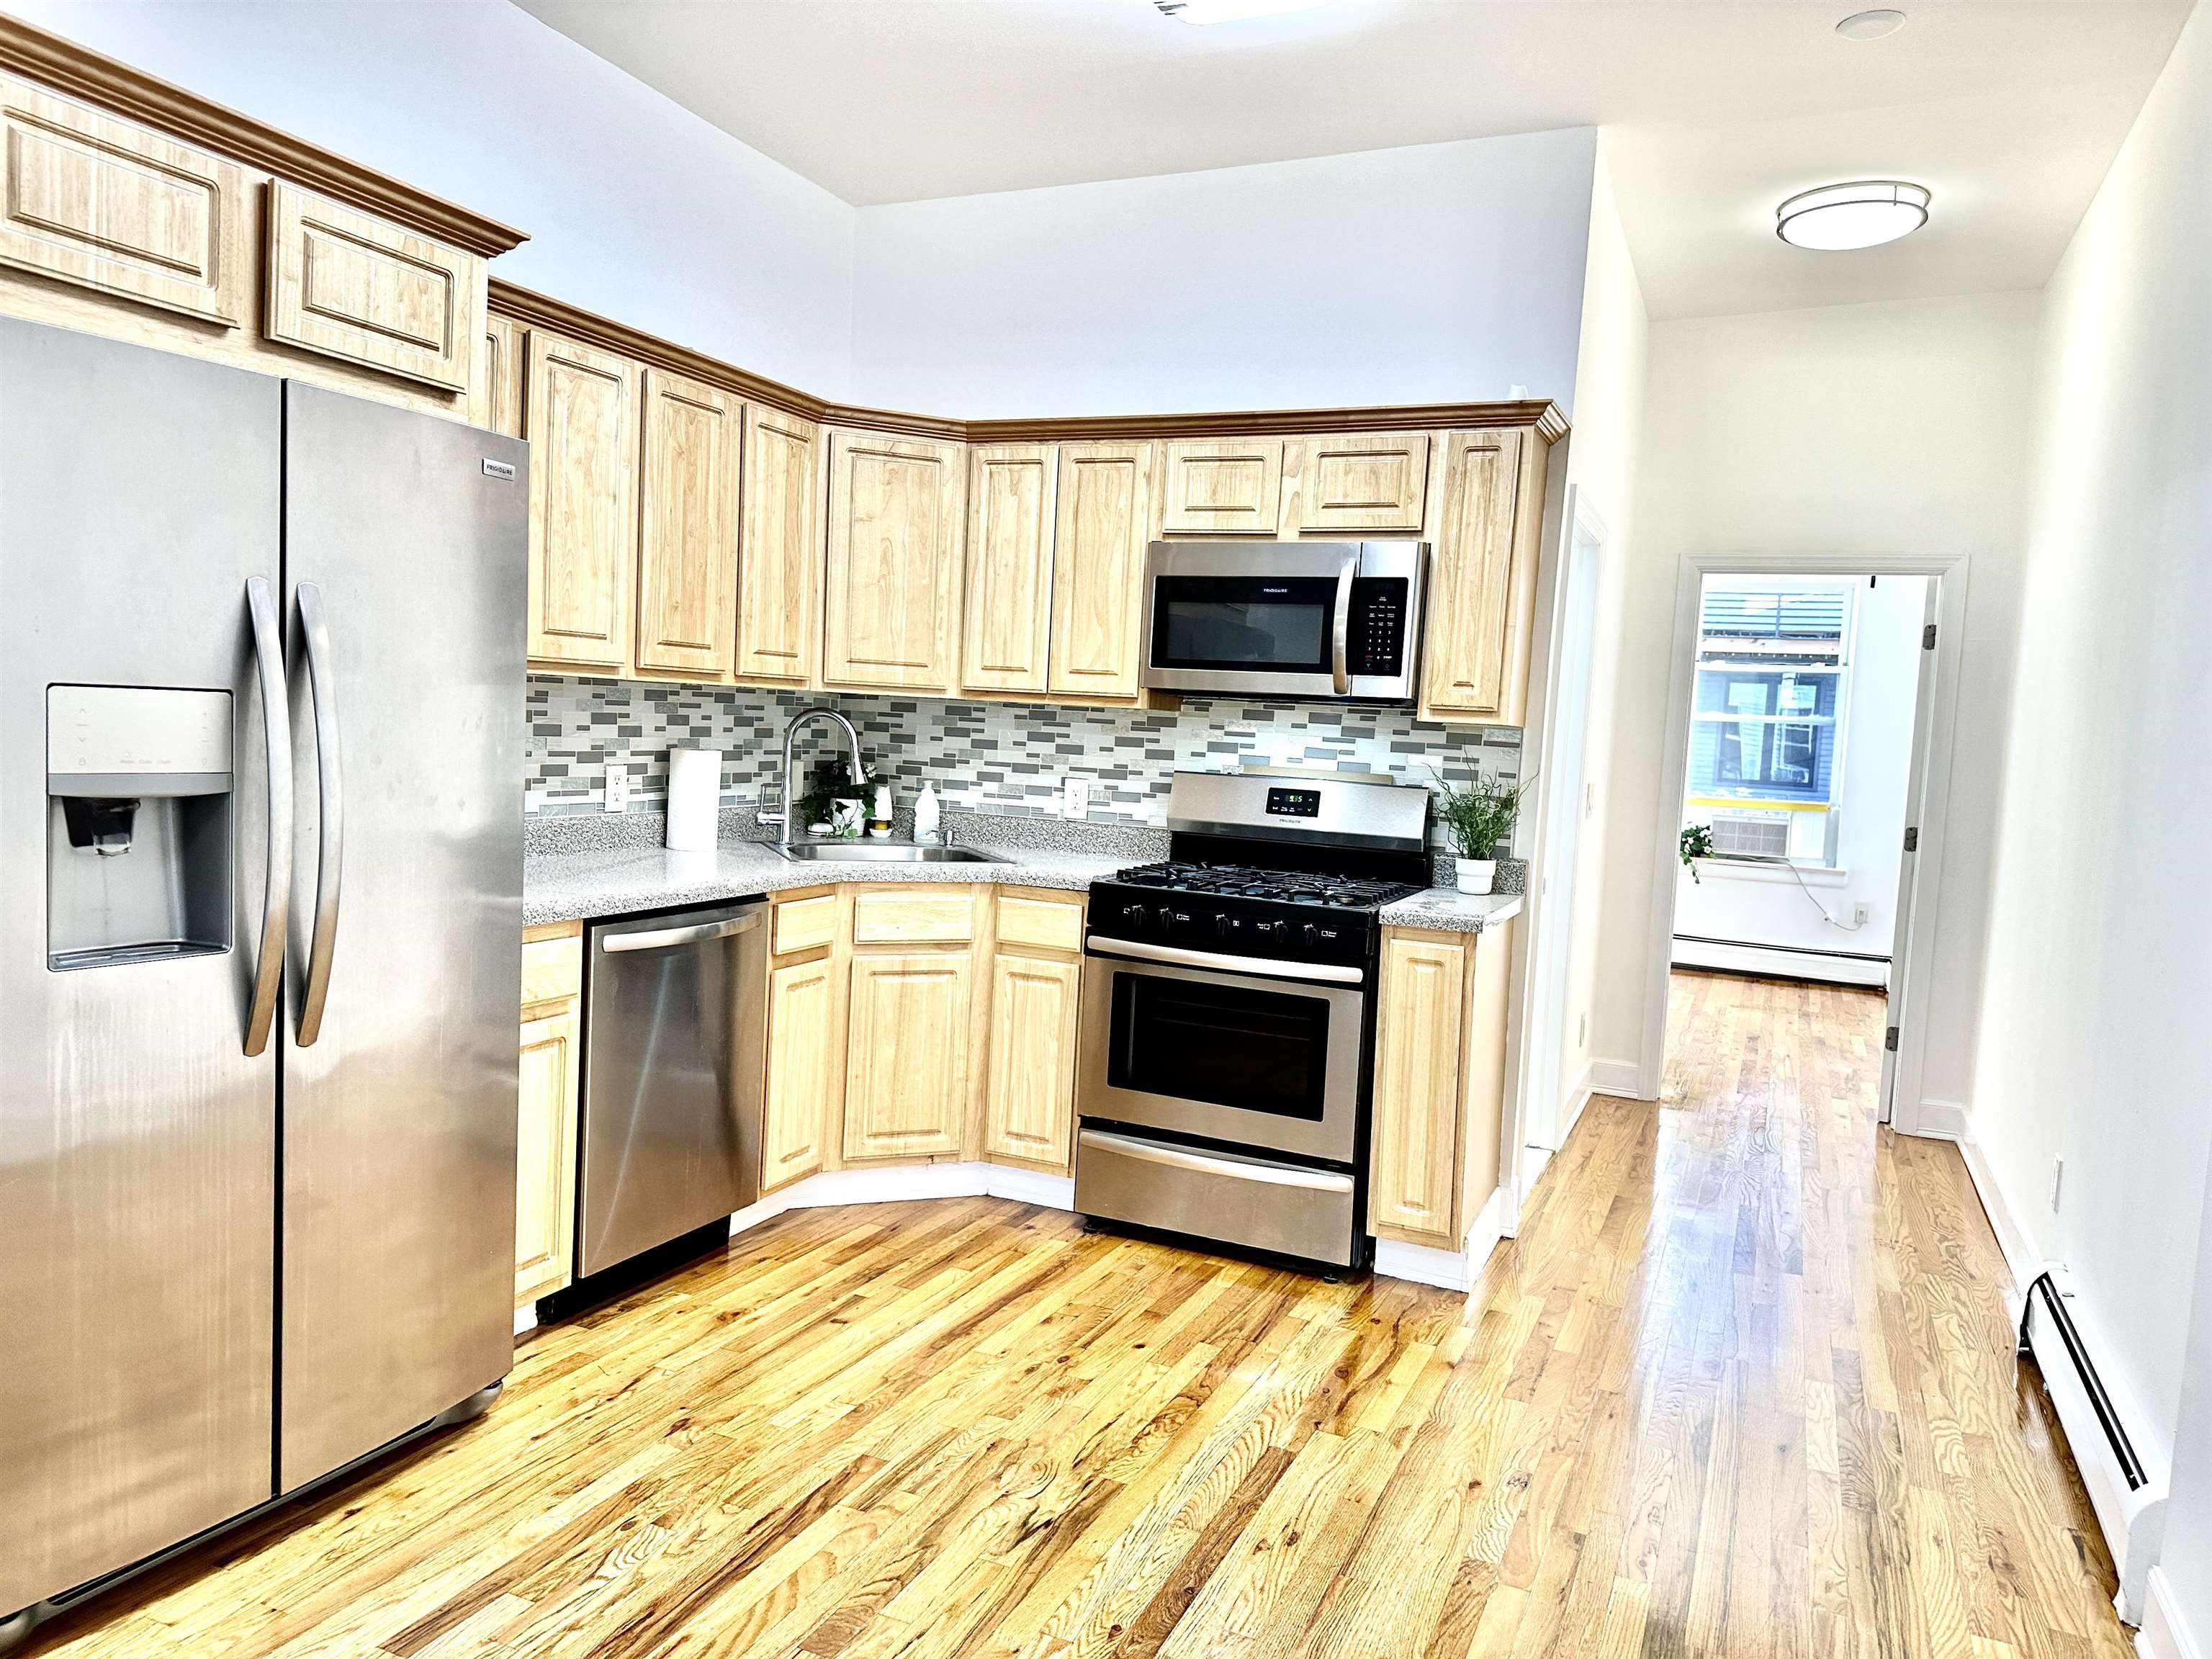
x=1376 y=644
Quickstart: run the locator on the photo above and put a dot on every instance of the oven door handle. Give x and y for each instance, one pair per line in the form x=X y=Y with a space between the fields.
x=1321 y=972
x=1174 y=1157
x=1340 y=633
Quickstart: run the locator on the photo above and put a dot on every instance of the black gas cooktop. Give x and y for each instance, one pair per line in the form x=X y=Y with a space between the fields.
x=1283 y=886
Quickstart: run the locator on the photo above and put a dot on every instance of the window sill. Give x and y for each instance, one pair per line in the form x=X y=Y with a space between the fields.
x=1744 y=870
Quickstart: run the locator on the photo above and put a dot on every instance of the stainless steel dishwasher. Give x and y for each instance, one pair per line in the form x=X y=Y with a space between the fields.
x=675 y=1009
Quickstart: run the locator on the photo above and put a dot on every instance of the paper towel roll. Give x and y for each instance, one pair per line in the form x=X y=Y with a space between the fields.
x=695 y=798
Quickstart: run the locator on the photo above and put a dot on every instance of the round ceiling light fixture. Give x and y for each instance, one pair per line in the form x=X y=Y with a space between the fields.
x=1865 y=214
x=1870 y=25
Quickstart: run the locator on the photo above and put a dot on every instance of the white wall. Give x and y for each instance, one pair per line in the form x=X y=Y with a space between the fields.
x=2094 y=1022
x=1435 y=273
x=1759 y=905
x=635 y=208
x=1896 y=428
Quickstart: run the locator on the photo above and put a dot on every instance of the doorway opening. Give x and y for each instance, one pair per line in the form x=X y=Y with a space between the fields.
x=1802 y=735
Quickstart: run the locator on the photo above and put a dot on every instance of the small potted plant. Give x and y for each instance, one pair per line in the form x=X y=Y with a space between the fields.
x=1478 y=817
x=1697 y=843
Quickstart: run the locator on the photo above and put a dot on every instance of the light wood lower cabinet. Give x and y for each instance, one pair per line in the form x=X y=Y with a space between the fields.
x=906 y=1055
x=803 y=1054
x=1439 y=1082
x=1029 y=1099
x=545 y=1139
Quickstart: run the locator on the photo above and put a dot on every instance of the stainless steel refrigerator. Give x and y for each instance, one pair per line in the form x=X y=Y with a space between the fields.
x=261 y=668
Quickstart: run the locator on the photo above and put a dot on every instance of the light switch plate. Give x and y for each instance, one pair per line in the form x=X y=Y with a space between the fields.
x=617 y=790
x=1074 y=796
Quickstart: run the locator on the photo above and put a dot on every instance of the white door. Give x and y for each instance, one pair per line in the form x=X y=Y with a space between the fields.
x=1908 y=866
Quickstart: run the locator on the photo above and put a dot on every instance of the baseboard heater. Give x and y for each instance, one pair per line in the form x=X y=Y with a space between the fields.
x=1781 y=950
x=2108 y=1418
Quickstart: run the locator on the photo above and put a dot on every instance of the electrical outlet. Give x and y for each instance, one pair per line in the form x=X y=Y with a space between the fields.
x=1075 y=796
x=617 y=794
x=1859 y=915
x=2057 y=1181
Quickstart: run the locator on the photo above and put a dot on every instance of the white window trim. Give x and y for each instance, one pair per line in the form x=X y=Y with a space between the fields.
x=1730 y=869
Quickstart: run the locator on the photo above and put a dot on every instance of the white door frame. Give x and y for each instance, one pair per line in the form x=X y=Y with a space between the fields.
x=1933 y=722
x=1541 y=1067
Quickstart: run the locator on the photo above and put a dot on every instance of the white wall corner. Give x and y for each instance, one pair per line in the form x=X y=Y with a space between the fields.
x=1618 y=1077
x=2164 y=1635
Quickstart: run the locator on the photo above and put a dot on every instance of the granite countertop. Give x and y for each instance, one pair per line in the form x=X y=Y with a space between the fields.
x=613 y=881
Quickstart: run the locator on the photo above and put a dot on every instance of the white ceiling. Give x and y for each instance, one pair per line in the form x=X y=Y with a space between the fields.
x=2008 y=110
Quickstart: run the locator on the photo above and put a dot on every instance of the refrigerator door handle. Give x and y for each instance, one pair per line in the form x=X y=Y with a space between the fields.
x=276 y=888
x=330 y=866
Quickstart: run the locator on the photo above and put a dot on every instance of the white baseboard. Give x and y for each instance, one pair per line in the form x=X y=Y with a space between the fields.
x=1940 y=1119
x=905 y=1183
x=1534 y=1160
x=2164 y=1634
x=1448 y=1270
x=2022 y=1260
x=1777 y=959
x=1623 y=1077
x=1578 y=1097
x=525 y=1318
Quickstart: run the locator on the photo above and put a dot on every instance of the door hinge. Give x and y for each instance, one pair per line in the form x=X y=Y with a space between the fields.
x=1889 y=1039
x=1928 y=637
x=1912 y=838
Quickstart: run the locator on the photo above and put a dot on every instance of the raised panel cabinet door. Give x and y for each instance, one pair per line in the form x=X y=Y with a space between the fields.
x=1473 y=579
x=1006 y=629
x=546 y=1156
x=582 y=427
x=1098 y=569
x=353 y=286
x=895 y=534
x=104 y=203
x=687 y=550
x=1356 y=484
x=779 y=550
x=802 y=1025
x=506 y=353
x=1223 y=486
x=1417 y=1079
x=1029 y=1099
x=905 y=1072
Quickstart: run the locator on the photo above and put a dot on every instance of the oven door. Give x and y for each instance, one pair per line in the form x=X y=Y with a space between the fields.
x=1272 y=619
x=1264 y=1060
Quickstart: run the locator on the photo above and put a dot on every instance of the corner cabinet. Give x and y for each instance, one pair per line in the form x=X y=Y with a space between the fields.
x=545 y=1139
x=1439 y=1082
x=890 y=579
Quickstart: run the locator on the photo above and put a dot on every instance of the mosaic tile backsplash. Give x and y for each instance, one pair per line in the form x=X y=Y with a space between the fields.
x=983 y=756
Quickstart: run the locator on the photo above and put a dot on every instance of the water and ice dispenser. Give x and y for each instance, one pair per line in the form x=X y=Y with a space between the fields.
x=138 y=825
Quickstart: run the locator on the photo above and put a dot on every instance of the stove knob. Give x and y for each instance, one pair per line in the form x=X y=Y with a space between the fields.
x=1134 y=914
x=1221 y=925
x=1313 y=936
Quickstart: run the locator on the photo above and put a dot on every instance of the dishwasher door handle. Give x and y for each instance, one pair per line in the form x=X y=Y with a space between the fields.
x=663 y=938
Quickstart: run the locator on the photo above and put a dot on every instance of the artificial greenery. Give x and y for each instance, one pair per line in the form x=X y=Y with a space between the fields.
x=1480 y=814
x=1697 y=843
x=829 y=779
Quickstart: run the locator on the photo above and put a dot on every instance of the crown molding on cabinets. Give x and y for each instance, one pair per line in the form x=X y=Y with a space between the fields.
x=541 y=311
x=80 y=72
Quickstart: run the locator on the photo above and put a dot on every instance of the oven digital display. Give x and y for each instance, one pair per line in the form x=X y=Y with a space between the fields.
x=1294 y=803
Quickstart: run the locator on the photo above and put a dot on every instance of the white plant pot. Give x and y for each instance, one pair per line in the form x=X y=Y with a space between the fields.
x=1474 y=875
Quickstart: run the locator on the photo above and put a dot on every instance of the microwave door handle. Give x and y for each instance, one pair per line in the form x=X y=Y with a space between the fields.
x=1340 y=636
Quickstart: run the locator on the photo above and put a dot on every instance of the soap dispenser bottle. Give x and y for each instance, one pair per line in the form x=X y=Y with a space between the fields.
x=926 y=812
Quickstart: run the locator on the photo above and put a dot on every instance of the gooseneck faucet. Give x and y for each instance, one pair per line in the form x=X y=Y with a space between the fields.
x=789 y=817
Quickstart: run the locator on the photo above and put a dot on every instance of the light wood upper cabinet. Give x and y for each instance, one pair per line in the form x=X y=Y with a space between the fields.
x=1417 y=1089
x=506 y=350
x=803 y=1070
x=353 y=286
x=1222 y=486
x=1481 y=598
x=1356 y=483
x=104 y=203
x=1103 y=527
x=1029 y=1102
x=582 y=426
x=1005 y=633
x=779 y=559
x=687 y=554
x=895 y=525
x=907 y=1047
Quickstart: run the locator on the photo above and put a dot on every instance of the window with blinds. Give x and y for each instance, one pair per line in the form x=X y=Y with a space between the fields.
x=1767 y=718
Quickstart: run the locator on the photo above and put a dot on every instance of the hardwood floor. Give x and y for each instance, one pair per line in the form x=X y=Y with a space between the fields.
x=1743 y=1386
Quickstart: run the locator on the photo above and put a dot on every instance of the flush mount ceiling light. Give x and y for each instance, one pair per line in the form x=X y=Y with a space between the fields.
x=1229 y=11
x=1870 y=25
x=1862 y=215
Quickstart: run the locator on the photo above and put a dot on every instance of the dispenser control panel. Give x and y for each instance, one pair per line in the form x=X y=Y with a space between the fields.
x=137 y=740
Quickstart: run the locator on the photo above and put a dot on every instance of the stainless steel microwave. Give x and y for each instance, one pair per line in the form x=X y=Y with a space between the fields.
x=1332 y=621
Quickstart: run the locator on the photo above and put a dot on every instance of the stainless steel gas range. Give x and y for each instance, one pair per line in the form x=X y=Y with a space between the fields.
x=1228 y=1033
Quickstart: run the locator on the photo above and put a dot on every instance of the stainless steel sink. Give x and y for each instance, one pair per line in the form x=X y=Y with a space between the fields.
x=879 y=851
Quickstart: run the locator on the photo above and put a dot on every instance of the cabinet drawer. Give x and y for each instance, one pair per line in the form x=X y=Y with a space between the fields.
x=1047 y=924
x=909 y=918
x=350 y=285
x=552 y=969
x=803 y=924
